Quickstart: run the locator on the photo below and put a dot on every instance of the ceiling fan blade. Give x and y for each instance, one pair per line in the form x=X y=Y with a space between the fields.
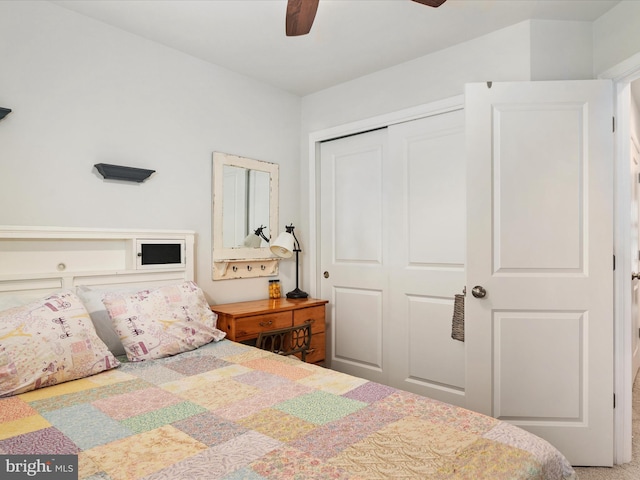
x=300 y=15
x=431 y=3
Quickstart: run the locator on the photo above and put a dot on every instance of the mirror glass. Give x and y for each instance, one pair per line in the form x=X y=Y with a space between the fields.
x=245 y=202
x=245 y=207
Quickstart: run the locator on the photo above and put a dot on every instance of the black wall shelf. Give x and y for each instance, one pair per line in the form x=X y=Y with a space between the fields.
x=119 y=172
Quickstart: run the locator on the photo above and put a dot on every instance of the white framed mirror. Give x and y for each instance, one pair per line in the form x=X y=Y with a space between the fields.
x=245 y=216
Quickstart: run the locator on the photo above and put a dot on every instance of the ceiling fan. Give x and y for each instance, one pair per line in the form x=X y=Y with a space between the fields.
x=300 y=14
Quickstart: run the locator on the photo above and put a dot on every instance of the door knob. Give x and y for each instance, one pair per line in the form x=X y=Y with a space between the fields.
x=326 y=274
x=635 y=276
x=478 y=291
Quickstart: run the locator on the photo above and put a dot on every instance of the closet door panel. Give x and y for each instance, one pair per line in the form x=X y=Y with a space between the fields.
x=435 y=191
x=432 y=360
x=353 y=242
x=427 y=255
x=357 y=205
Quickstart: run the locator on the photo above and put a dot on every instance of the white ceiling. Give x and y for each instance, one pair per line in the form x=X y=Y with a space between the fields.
x=349 y=38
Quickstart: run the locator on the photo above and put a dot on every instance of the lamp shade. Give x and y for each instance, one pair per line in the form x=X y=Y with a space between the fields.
x=252 y=241
x=283 y=246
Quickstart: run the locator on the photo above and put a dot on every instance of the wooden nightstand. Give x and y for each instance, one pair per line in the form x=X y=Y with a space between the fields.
x=243 y=321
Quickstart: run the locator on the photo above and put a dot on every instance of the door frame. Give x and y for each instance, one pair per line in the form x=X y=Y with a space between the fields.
x=622 y=75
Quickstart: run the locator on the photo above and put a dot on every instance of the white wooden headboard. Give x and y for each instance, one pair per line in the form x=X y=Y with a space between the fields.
x=40 y=260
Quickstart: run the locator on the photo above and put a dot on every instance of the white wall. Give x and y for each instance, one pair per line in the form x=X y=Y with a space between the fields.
x=83 y=92
x=500 y=56
x=529 y=50
x=561 y=50
x=616 y=35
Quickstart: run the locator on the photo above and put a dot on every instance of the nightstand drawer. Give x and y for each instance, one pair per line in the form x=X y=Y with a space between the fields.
x=250 y=327
x=317 y=351
x=312 y=315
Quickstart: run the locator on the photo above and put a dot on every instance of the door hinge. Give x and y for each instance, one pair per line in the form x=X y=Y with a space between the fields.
x=614 y=262
x=614 y=123
x=614 y=400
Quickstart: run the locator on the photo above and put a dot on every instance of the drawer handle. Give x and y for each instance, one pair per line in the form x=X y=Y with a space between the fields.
x=310 y=321
x=310 y=351
x=266 y=324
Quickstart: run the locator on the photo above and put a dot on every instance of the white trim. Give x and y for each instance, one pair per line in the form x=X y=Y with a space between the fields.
x=622 y=75
x=20 y=231
x=622 y=281
x=625 y=71
x=226 y=255
x=381 y=121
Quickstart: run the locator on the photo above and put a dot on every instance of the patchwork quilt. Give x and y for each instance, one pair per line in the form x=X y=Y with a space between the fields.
x=231 y=411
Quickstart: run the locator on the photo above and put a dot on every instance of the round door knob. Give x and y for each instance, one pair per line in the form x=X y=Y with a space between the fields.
x=326 y=274
x=478 y=291
x=635 y=276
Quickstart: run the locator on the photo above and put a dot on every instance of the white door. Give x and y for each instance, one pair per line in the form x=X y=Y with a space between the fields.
x=393 y=246
x=635 y=254
x=539 y=223
x=353 y=255
x=427 y=255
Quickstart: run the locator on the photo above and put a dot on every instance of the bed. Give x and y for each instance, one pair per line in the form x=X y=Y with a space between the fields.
x=174 y=399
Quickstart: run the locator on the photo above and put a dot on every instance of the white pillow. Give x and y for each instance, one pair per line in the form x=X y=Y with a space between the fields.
x=162 y=322
x=92 y=300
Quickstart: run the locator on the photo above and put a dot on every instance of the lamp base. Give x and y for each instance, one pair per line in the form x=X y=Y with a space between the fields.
x=297 y=293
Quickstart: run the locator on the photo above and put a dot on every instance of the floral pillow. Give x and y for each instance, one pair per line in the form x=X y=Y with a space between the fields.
x=162 y=322
x=49 y=341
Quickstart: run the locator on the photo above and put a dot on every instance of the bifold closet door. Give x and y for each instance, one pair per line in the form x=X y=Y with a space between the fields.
x=392 y=253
